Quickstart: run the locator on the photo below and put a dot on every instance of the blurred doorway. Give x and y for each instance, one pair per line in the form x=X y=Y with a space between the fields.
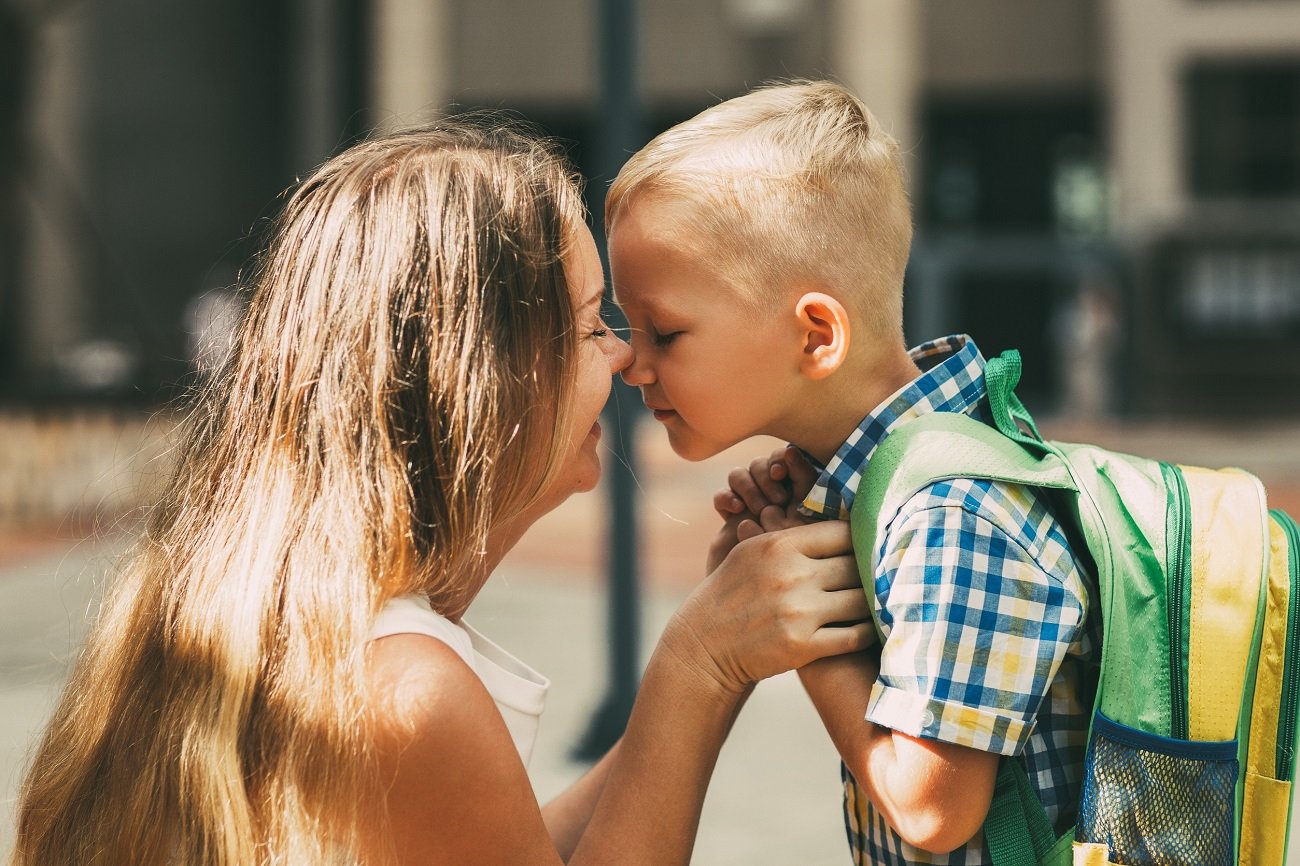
x=1006 y=182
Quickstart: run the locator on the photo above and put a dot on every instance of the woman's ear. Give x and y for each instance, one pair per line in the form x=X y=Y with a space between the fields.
x=824 y=325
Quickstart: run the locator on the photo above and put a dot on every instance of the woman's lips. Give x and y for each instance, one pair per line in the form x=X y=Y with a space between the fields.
x=595 y=431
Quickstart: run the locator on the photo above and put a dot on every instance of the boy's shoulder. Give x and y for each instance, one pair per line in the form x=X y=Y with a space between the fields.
x=987 y=517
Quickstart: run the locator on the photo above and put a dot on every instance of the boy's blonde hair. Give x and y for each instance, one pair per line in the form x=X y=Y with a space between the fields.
x=399 y=388
x=788 y=184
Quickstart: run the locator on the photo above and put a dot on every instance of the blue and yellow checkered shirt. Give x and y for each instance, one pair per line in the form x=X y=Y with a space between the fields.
x=988 y=641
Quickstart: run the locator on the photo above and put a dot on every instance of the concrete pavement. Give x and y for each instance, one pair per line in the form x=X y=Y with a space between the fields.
x=46 y=597
x=774 y=800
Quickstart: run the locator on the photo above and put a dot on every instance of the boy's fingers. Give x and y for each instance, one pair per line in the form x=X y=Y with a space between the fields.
x=774 y=517
x=747 y=529
x=802 y=473
x=727 y=504
x=742 y=484
x=760 y=469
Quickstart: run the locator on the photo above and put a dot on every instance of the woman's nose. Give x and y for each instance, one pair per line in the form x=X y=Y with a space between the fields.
x=621 y=357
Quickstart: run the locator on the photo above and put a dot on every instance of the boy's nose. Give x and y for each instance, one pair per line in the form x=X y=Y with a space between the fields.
x=638 y=372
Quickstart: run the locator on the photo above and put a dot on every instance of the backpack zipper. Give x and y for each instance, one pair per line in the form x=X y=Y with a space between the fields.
x=1178 y=557
x=1286 y=722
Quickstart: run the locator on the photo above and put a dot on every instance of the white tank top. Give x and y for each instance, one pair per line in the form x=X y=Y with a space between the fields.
x=518 y=690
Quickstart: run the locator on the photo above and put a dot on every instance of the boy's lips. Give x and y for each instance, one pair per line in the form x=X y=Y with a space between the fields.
x=660 y=414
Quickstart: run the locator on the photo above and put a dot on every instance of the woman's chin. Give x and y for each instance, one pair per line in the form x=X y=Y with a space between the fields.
x=590 y=479
x=582 y=479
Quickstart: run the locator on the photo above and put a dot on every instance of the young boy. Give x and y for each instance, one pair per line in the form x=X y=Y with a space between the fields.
x=758 y=251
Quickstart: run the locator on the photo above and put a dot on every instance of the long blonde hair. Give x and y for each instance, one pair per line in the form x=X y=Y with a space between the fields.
x=788 y=183
x=392 y=396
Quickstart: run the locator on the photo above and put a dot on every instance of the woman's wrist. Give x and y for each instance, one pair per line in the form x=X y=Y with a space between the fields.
x=683 y=647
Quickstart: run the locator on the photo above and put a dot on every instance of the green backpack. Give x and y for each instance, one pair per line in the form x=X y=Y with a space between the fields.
x=1191 y=748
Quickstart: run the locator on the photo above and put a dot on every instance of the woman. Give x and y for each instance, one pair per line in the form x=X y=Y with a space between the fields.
x=282 y=676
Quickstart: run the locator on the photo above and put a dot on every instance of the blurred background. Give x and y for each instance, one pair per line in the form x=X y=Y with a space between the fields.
x=1111 y=186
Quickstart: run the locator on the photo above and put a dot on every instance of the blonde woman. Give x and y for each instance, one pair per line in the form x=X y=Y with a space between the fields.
x=283 y=675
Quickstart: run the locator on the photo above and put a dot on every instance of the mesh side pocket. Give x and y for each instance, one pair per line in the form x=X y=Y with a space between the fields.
x=1156 y=801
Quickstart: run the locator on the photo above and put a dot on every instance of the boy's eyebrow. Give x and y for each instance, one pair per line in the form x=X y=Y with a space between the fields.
x=654 y=309
x=645 y=303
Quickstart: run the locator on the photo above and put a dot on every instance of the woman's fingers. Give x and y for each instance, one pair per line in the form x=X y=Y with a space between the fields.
x=847 y=605
x=838 y=640
x=747 y=528
x=775 y=602
x=820 y=540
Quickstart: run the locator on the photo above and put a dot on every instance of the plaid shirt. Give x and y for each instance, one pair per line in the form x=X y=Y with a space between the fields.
x=988 y=642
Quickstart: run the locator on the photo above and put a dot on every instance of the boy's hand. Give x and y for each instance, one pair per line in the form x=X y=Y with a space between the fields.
x=762 y=498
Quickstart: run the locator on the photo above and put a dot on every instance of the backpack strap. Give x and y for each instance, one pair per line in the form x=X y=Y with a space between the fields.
x=1001 y=375
x=936 y=447
x=1016 y=830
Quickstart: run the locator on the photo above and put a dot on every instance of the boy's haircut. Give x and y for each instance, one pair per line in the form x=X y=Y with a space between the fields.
x=789 y=183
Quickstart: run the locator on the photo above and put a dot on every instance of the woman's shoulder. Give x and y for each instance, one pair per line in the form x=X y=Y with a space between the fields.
x=419 y=662
x=448 y=766
x=413 y=678
x=412 y=614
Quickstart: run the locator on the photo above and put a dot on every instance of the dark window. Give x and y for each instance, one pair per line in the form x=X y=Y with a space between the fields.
x=1006 y=179
x=1244 y=136
x=1008 y=164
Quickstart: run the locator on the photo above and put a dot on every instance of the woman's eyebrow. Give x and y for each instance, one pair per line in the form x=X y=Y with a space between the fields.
x=593 y=300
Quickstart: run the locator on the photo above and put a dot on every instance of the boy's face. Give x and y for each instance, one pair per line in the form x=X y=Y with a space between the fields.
x=714 y=370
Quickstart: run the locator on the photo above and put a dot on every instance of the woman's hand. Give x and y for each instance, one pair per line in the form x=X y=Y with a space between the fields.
x=776 y=602
x=764 y=497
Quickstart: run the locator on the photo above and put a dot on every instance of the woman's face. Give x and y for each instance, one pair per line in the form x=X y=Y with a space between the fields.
x=600 y=356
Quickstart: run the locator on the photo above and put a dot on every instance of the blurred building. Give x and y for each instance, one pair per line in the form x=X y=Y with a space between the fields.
x=1113 y=187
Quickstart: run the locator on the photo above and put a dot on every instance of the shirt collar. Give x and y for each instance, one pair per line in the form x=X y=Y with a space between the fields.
x=955 y=383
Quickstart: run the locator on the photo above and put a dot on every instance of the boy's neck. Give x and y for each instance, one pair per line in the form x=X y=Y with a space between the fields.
x=832 y=408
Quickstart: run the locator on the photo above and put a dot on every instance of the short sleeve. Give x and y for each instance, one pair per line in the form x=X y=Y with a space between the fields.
x=974 y=630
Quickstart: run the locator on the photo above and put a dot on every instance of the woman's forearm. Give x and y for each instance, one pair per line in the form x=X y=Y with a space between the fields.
x=568 y=814
x=649 y=805
x=763 y=611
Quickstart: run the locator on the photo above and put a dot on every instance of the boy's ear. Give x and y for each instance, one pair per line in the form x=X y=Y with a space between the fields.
x=824 y=325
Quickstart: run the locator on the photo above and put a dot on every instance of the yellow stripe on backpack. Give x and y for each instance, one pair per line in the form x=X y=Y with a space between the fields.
x=1229 y=537
x=1266 y=799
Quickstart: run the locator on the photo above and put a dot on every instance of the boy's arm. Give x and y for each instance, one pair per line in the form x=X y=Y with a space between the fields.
x=934 y=794
x=977 y=630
